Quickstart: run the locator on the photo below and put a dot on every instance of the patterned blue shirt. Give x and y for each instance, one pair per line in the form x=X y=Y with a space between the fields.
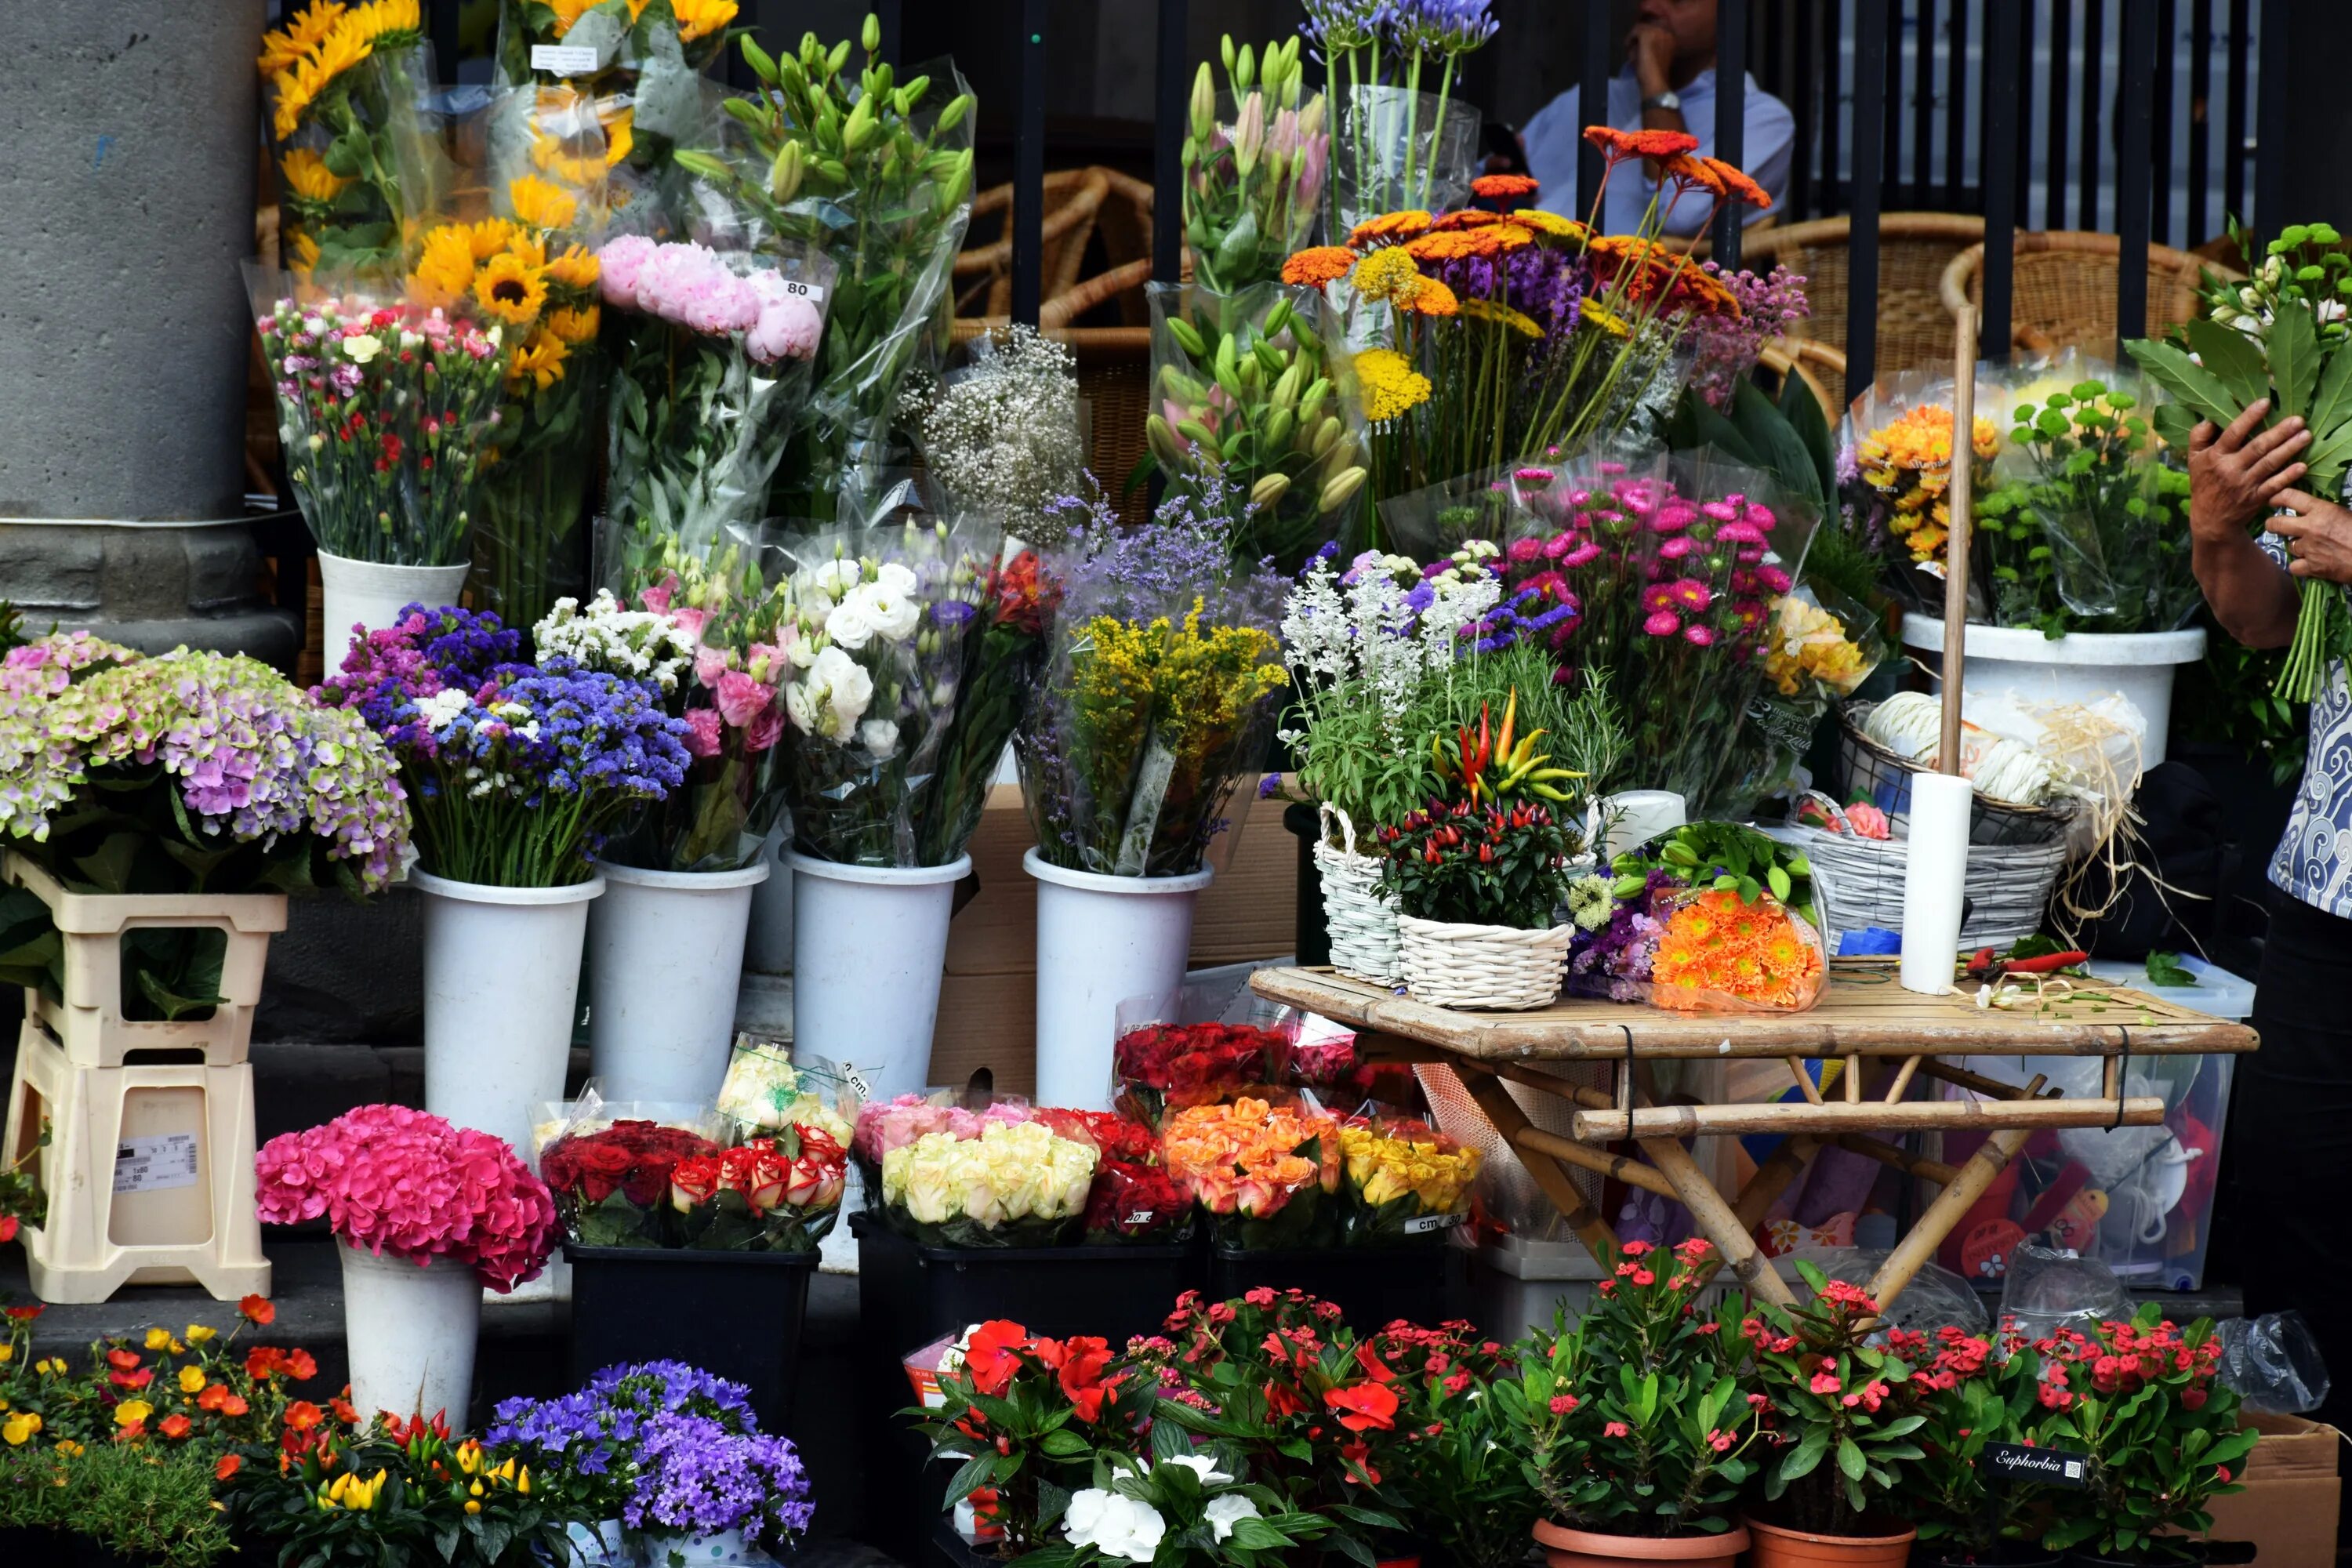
x=2313 y=862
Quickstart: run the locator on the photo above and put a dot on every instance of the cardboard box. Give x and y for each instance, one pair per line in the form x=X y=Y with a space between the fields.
x=2289 y=1507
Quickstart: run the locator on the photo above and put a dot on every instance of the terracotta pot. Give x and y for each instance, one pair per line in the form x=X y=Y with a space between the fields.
x=1565 y=1548
x=1777 y=1546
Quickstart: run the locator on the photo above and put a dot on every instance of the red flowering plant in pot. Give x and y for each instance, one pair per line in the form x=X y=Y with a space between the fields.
x=1023 y=1416
x=1975 y=1393
x=1844 y=1422
x=1643 y=1421
x=1457 y=1473
x=2157 y=1434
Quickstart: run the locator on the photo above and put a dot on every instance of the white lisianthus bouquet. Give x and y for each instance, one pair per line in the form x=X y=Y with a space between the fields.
x=1014 y=1185
x=1201 y=1500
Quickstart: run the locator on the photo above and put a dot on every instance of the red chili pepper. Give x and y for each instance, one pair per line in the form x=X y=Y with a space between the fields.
x=1981 y=961
x=2046 y=963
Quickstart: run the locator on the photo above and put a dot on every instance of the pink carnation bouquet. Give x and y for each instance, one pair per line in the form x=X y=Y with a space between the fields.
x=394 y=1179
x=718 y=361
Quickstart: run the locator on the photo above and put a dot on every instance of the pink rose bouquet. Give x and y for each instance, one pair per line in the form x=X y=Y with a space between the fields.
x=394 y=1179
x=886 y=1124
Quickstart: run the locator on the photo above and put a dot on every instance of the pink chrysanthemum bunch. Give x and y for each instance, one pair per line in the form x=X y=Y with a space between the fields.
x=400 y=1181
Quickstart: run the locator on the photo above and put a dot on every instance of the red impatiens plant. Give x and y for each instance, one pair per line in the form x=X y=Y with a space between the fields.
x=1974 y=1392
x=2158 y=1433
x=1843 y=1412
x=1642 y=1418
x=1456 y=1472
x=1023 y=1416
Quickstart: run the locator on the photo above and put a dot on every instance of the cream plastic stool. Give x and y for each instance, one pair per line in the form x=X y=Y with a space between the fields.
x=148 y=1174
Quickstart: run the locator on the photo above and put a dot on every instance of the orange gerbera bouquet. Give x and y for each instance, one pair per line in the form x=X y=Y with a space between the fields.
x=1261 y=1170
x=1721 y=953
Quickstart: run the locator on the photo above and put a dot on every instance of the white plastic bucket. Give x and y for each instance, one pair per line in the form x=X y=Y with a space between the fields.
x=502 y=987
x=1100 y=939
x=1642 y=815
x=869 y=945
x=371 y=593
x=411 y=1333
x=768 y=948
x=2081 y=666
x=665 y=958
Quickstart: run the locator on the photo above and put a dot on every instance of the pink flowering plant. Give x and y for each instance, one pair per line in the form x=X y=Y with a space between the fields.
x=1974 y=1392
x=193 y=773
x=1844 y=1410
x=389 y=1179
x=386 y=411
x=1645 y=1418
x=717 y=354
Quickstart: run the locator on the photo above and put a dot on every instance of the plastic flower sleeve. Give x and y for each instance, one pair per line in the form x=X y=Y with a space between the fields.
x=1719 y=952
x=359 y=157
x=1254 y=166
x=1894 y=469
x=1268 y=1173
x=609 y=1170
x=771 y=1194
x=1134 y=1197
x=766 y=1091
x=386 y=411
x=1406 y=1181
x=1396 y=149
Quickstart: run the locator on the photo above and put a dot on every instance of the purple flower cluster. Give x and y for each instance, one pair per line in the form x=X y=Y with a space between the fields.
x=571 y=733
x=1136 y=574
x=695 y=1475
x=1436 y=26
x=1615 y=962
x=1547 y=286
x=422 y=654
x=1728 y=346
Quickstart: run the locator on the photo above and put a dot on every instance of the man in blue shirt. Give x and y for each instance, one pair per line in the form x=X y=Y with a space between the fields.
x=1668 y=84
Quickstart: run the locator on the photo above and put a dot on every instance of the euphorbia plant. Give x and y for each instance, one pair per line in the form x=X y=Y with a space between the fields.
x=1843 y=1411
x=1458 y=1472
x=1641 y=1417
x=2158 y=1433
x=1974 y=1394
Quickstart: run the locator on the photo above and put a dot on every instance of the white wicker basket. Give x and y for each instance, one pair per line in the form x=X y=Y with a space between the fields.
x=2007 y=887
x=1360 y=917
x=1501 y=967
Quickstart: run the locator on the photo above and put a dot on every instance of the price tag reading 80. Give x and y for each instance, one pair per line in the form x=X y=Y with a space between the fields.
x=812 y=292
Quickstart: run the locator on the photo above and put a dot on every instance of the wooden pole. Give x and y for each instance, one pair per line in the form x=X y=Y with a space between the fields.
x=1512 y=1123
x=1632 y=1172
x=1665 y=1122
x=1903 y=1160
x=1772 y=1178
x=1928 y=1231
x=1716 y=1221
x=1956 y=537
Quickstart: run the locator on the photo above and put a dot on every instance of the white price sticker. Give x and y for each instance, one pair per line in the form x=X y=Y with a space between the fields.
x=857 y=1081
x=799 y=289
x=1421 y=1224
x=151 y=1165
x=1142 y=1218
x=565 y=59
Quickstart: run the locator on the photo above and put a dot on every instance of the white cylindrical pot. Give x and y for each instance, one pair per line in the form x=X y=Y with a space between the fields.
x=1640 y=815
x=371 y=593
x=2081 y=666
x=501 y=988
x=411 y=1332
x=768 y=948
x=665 y=958
x=1100 y=941
x=870 y=946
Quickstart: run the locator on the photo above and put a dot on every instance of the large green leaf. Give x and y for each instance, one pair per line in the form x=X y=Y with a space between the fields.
x=2200 y=389
x=1768 y=436
x=2231 y=356
x=2331 y=406
x=2294 y=342
x=109 y=867
x=1695 y=425
x=1803 y=412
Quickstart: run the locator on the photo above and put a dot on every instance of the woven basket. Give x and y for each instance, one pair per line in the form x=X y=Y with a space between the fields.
x=1362 y=918
x=2005 y=892
x=1499 y=967
x=1867 y=768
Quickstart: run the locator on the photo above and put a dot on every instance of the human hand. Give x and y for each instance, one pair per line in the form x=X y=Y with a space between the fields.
x=2318 y=536
x=2238 y=474
x=1651 y=48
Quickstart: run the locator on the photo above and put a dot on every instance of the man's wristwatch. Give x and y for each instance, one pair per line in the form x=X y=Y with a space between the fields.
x=1673 y=100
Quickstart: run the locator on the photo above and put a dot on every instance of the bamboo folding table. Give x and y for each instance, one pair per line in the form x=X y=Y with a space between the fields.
x=1864 y=1019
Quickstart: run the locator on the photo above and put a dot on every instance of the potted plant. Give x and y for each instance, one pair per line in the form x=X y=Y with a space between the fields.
x=1199 y=1497
x=514 y=775
x=1843 y=1421
x=1157 y=702
x=425 y=1215
x=1974 y=1393
x=661 y=1459
x=1463 y=1478
x=2159 y=1435
x=1642 y=1419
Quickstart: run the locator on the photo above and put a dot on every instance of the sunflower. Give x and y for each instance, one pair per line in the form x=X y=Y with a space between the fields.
x=1388 y=228
x=308 y=178
x=574 y=325
x=540 y=359
x=1317 y=265
x=568 y=11
x=305 y=253
x=550 y=155
x=445 y=267
x=300 y=88
x=299 y=37
x=1432 y=298
x=699 y=18
x=620 y=133
x=509 y=289
x=536 y=203
x=490 y=235
x=396 y=23
x=575 y=269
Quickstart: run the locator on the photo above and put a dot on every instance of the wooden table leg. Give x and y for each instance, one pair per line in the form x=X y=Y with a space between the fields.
x=1552 y=1176
x=1716 y=1222
x=1785 y=1164
x=1937 y=1221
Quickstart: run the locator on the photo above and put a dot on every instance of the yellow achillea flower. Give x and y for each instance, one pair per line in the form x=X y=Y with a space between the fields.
x=574 y=326
x=1386 y=275
x=537 y=204
x=700 y=19
x=283 y=47
x=1551 y=224
x=511 y=289
x=539 y=361
x=445 y=267
x=1605 y=320
x=1502 y=315
x=308 y=178
x=1189 y=685
x=575 y=268
x=1389 y=384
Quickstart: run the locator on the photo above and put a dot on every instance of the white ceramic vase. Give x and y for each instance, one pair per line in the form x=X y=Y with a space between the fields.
x=371 y=593
x=1100 y=941
x=411 y=1333
x=870 y=946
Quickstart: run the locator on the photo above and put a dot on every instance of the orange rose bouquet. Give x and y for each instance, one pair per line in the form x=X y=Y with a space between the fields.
x=1261 y=1171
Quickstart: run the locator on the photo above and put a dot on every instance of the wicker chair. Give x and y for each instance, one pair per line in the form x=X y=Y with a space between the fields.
x=1820 y=367
x=2064 y=292
x=1914 y=331
x=983 y=273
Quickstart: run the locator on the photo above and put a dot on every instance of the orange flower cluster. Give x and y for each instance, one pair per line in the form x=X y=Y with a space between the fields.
x=1653 y=274
x=1252 y=1157
x=1719 y=949
x=1503 y=187
x=1317 y=265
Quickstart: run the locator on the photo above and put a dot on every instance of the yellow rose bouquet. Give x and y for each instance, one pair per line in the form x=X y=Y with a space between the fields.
x=1406 y=1181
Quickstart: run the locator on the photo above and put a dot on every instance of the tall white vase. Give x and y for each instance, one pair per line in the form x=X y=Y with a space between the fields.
x=665 y=959
x=869 y=945
x=1100 y=939
x=371 y=593
x=412 y=1333
x=768 y=947
x=501 y=988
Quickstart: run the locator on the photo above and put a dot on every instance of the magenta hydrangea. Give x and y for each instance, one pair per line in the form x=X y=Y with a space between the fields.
x=394 y=1179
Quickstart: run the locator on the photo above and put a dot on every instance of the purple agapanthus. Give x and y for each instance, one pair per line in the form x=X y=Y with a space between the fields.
x=1439 y=27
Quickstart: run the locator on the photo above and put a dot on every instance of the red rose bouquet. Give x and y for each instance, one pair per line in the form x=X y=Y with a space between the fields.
x=1166 y=1066
x=770 y=1194
x=611 y=1184
x=1134 y=1197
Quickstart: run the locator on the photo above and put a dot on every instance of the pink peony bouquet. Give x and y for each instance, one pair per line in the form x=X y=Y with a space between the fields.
x=394 y=1179
x=719 y=354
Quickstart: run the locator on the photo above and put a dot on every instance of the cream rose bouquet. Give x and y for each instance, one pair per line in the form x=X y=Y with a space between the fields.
x=1016 y=1184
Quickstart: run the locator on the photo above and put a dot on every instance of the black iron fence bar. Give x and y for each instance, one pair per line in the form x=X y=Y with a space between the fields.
x=1862 y=202
x=1730 y=118
x=1592 y=101
x=1170 y=94
x=1808 y=72
x=1029 y=168
x=441 y=26
x=2200 y=117
x=2241 y=123
x=2061 y=78
x=891 y=14
x=1956 y=108
x=1922 y=100
x=2003 y=91
x=2162 y=91
x=2134 y=173
x=2270 y=212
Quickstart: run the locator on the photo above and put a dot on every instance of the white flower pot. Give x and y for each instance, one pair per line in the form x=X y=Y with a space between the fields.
x=501 y=988
x=659 y=1548
x=665 y=959
x=412 y=1332
x=768 y=949
x=1640 y=815
x=2081 y=666
x=371 y=593
x=1100 y=941
x=869 y=945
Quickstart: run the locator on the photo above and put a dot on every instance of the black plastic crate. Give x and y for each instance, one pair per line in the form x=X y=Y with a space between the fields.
x=1373 y=1286
x=738 y=1314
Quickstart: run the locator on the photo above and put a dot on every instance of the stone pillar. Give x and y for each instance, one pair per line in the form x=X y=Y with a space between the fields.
x=126 y=185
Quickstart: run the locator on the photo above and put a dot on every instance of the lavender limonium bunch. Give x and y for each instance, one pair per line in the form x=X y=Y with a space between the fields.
x=1728 y=346
x=515 y=773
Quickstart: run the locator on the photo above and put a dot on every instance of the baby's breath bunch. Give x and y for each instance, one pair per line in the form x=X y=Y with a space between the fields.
x=1002 y=435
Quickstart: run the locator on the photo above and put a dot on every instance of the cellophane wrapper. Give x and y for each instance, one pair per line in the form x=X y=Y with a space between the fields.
x=1160 y=1068
x=1135 y=1198
x=609 y=1169
x=1382 y=130
x=1267 y=1175
x=1406 y=1182
x=1014 y=1185
x=1719 y=954
x=776 y=1193
x=1895 y=481
x=765 y=1090
x=886 y=1124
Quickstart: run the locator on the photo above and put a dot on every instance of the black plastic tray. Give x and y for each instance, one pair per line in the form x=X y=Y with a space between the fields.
x=738 y=1314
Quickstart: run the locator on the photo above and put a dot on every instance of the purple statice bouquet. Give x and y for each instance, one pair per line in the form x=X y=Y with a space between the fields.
x=515 y=772
x=1617 y=927
x=665 y=1449
x=1727 y=347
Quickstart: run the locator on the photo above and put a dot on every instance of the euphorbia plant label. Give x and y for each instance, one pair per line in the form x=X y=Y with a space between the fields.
x=2049 y=1466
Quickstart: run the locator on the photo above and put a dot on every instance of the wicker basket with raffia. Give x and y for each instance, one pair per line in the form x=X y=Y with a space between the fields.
x=1500 y=967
